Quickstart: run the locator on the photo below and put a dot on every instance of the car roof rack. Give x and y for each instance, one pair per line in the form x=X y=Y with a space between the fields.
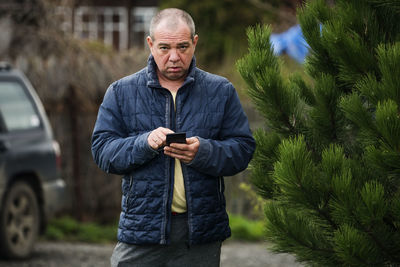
x=5 y=66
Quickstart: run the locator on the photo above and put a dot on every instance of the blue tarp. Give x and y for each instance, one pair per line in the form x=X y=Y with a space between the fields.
x=290 y=42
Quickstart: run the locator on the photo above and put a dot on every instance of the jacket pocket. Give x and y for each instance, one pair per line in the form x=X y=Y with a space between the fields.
x=221 y=190
x=128 y=192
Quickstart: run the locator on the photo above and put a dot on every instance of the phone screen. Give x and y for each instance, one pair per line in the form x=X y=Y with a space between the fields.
x=176 y=138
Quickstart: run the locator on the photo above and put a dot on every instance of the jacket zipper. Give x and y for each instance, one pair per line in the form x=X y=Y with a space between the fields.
x=184 y=181
x=168 y=172
x=186 y=185
x=184 y=174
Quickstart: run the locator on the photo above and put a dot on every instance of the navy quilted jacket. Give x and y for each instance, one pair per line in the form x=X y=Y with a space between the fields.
x=207 y=107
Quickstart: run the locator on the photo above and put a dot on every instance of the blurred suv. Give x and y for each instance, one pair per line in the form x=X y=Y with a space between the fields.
x=31 y=190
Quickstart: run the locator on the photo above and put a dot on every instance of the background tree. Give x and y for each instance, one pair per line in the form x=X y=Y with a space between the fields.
x=70 y=76
x=222 y=24
x=328 y=162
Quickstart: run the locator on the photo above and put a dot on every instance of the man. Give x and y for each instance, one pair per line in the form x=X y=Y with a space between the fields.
x=173 y=206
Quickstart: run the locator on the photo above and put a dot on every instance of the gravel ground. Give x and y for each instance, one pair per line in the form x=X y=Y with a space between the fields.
x=238 y=254
x=55 y=254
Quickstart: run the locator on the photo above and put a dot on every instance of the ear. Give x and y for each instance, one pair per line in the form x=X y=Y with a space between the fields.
x=149 y=42
x=195 y=39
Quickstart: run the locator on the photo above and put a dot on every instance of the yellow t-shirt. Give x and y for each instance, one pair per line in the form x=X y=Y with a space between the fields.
x=179 y=197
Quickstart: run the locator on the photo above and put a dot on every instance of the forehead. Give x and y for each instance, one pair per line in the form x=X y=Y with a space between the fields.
x=170 y=32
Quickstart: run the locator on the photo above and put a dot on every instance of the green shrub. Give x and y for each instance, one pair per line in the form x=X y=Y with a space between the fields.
x=68 y=229
x=246 y=230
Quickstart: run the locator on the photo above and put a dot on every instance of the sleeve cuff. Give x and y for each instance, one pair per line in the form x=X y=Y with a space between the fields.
x=146 y=148
x=202 y=155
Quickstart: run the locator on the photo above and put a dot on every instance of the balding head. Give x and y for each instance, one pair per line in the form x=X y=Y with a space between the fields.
x=173 y=17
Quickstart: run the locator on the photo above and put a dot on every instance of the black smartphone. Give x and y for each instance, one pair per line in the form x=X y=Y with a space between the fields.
x=176 y=138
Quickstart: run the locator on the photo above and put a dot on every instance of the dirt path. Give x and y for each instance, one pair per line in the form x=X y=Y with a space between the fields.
x=56 y=254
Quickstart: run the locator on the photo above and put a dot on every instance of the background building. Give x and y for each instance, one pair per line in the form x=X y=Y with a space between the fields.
x=121 y=24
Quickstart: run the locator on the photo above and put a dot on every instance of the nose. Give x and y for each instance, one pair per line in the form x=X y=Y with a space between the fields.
x=174 y=56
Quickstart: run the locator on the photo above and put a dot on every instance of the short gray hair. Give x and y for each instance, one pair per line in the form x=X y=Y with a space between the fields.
x=174 y=15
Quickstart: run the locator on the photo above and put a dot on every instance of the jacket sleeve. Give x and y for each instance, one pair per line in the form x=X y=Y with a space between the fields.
x=115 y=150
x=232 y=152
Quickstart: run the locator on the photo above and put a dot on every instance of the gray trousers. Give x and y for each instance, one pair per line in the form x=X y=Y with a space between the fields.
x=177 y=254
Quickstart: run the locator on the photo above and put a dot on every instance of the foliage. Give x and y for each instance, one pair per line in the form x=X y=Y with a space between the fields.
x=68 y=229
x=246 y=230
x=221 y=25
x=70 y=77
x=255 y=201
x=54 y=61
x=328 y=159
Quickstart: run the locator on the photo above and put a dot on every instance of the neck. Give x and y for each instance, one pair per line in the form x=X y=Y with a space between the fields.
x=168 y=84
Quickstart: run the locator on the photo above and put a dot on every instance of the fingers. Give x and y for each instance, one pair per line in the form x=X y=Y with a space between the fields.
x=184 y=152
x=193 y=140
x=157 y=137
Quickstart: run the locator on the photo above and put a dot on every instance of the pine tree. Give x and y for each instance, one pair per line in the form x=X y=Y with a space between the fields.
x=328 y=160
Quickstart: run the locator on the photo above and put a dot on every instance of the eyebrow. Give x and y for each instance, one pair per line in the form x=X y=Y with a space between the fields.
x=184 y=43
x=178 y=44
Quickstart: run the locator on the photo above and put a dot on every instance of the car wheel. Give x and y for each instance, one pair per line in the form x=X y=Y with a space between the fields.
x=19 y=225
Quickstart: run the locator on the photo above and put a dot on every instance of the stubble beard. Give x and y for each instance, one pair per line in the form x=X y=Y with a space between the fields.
x=174 y=76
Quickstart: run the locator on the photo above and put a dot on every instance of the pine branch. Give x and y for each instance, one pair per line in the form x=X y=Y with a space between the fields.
x=261 y=71
x=291 y=233
x=345 y=195
x=390 y=4
x=376 y=240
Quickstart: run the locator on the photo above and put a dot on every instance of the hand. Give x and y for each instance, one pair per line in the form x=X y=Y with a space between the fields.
x=157 y=137
x=183 y=152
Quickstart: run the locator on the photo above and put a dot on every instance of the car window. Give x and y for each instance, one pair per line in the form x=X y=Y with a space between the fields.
x=16 y=107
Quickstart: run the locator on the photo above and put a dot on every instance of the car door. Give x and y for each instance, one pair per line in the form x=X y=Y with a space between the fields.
x=4 y=146
x=20 y=126
x=20 y=138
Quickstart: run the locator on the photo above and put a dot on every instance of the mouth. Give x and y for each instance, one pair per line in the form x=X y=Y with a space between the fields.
x=174 y=69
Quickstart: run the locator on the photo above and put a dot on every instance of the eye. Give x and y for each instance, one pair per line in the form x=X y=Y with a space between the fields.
x=182 y=47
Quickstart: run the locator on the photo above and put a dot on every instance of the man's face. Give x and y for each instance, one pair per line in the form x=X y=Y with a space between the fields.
x=173 y=50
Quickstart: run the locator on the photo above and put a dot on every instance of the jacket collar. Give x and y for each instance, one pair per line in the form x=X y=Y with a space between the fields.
x=152 y=78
